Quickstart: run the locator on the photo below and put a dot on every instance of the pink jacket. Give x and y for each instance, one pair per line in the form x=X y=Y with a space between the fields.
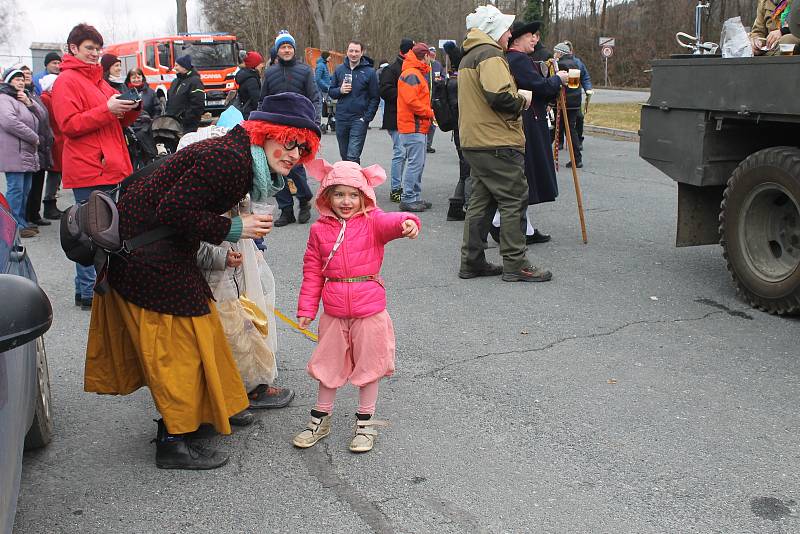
x=360 y=253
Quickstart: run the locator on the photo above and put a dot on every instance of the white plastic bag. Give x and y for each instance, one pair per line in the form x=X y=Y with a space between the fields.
x=734 y=39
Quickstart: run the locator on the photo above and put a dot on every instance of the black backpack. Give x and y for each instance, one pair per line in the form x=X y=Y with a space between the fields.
x=445 y=111
x=89 y=231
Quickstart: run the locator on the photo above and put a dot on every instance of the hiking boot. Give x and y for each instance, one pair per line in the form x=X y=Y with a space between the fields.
x=430 y=150
x=243 y=418
x=394 y=196
x=489 y=269
x=455 y=212
x=304 y=213
x=365 y=433
x=28 y=232
x=77 y=299
x=317 y=428
x=528 y=274
x=38 y=221
x=86 y=304
x=416 y=207
x=265 y=397
x=536 y=237
x=51 y=211
x=179 y=452
x=578 y=165
x=287 y=216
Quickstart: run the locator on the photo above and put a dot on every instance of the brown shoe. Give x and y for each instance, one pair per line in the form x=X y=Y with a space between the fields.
x=528 y=274
x=28 y=232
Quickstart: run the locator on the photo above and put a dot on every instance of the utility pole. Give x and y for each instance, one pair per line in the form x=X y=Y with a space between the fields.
x=183 y=26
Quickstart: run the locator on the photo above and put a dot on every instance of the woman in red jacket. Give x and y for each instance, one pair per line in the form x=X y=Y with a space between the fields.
x=91 y=117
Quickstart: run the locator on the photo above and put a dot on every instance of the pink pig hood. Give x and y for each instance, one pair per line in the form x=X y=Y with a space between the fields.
x=345 y=173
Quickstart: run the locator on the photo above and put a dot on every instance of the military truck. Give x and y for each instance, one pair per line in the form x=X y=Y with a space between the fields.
x=728 y=131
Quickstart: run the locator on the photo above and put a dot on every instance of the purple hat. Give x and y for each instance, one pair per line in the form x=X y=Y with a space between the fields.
x=290 y=109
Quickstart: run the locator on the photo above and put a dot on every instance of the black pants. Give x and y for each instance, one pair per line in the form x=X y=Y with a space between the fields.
x=577 y=145
x=35 y=197
x=298 y=176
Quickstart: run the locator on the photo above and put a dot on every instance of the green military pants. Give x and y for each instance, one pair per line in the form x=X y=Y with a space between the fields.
x=498 y=183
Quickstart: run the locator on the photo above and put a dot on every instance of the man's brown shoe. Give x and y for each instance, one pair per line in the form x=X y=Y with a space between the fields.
x=489 y=269
x=528 y=274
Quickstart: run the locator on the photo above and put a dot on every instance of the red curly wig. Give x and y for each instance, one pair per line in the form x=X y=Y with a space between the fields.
x=260 y=131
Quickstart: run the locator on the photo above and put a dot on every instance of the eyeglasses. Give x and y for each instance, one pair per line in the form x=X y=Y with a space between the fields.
x=302 y=148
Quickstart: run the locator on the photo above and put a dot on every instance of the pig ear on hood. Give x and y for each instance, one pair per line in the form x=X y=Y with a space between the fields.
x=374 y=174
x=318 y=169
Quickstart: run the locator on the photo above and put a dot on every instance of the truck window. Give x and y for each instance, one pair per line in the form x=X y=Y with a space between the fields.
x=150 y=56
x=163 y=55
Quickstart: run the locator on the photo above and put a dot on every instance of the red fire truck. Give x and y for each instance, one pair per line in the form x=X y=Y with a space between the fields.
x=215 y=56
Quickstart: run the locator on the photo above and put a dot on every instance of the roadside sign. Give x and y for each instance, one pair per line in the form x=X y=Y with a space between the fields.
x=608 y=41
x=443 y=41
x=607 y=51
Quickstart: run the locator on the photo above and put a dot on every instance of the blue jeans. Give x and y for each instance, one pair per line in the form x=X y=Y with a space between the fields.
x=85 y=276
x=298 y=176
x=414 y=149
x=398 y=160
x=18 y=186
x=351 y=135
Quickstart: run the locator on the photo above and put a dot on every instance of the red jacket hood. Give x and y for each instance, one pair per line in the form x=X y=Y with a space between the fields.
x=93 y=72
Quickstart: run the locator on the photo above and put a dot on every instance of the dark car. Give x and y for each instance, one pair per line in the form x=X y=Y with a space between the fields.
x=25 y=315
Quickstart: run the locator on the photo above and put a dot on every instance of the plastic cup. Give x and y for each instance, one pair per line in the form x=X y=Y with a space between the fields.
x=262 y=208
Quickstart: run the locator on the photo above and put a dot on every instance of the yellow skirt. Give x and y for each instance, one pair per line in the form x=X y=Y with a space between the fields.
x=185 y=361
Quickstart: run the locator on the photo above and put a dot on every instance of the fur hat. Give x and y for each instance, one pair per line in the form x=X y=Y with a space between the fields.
x=185 y=62
x=489 y=20
x=345 y=173
x=284 y=37
x=253 y=59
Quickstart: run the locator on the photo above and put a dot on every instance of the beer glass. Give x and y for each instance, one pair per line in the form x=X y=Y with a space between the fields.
x=574 y=80
x=787 y=49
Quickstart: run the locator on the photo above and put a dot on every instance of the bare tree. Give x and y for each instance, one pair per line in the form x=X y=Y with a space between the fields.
x=183 y=25
x=322 y=11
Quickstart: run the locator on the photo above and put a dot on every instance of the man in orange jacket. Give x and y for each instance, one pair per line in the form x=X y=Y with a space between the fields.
x=414 y=116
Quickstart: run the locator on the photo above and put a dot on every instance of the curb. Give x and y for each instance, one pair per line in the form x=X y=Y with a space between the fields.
x=627 y=135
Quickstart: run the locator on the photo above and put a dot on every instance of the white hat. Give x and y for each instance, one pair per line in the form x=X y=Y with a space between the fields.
x=489 y=20
x=46 y=82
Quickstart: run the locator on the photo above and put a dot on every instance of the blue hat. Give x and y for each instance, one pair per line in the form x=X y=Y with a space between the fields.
x=185 y=62
x=284 y=37
x=290 y=109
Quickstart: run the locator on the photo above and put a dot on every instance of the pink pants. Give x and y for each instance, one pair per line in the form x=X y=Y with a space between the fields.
x=359 y=351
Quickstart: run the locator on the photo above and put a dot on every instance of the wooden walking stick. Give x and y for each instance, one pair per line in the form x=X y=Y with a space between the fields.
x=562 y=107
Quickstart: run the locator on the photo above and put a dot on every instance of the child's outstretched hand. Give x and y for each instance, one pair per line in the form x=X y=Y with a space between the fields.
x=303 y=322
x=234 y=259
x=410 y=229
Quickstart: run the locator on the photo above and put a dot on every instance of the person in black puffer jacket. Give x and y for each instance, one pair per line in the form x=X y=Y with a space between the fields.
x=566 y=61
x=288 y=75
x=249 y=81
x=186 y=98
x=387 y=85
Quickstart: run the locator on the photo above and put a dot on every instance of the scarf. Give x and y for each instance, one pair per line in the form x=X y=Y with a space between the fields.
x=265 y=183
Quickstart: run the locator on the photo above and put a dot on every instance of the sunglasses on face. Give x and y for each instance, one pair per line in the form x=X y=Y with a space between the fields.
x=302 y=148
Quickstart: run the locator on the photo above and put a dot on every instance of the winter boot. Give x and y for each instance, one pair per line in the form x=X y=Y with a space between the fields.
x=304 y=213
x=287 y=216
x=365 y=432
x=318 y=427
x=51 y=211
x=178 y=452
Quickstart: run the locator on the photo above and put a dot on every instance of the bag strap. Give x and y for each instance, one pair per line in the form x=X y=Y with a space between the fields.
x=147 y=238
x=144 y=171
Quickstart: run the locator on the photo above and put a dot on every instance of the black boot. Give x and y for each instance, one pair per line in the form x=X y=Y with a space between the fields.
x=51 y=211
x=304 y=213
x=178 y=452
x=456 y=210
x=287 y=216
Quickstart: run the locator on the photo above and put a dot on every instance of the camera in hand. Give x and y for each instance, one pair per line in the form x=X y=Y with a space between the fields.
x=131 y=95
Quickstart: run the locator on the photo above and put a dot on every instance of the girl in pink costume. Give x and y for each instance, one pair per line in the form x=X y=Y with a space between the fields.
x=342 y=265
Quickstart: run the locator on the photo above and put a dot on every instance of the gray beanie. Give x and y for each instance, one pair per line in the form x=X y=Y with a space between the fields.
x=562 y=48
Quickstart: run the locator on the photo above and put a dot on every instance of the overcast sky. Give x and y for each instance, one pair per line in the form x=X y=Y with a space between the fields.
x=117 y=20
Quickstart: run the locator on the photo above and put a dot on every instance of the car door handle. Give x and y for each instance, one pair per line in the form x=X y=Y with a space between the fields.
x=18 y=254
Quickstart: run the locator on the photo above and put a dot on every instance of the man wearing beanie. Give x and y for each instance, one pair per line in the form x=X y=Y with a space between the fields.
x=566 y=61
x=355 y=86
x=288 y=75
x=493 y=143
x=249 y=81
x=388 y=91
x=186 y=97
x=52 y=65
x=414 y=118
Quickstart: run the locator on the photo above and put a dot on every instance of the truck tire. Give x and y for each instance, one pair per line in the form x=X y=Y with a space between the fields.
x=760 y=229
x=41 y=431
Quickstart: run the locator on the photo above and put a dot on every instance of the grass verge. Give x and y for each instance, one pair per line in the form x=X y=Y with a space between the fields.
x=617 y=116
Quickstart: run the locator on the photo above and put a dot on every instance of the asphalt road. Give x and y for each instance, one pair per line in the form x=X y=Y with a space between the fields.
x=618 y=96
x=633 y=393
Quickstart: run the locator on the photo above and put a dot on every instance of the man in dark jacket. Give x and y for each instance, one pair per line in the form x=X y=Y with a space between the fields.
x=355 y=86
x=566 y=61
x=186 y=98
x=388 y=92
x=288 y=75
x=249 y=81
